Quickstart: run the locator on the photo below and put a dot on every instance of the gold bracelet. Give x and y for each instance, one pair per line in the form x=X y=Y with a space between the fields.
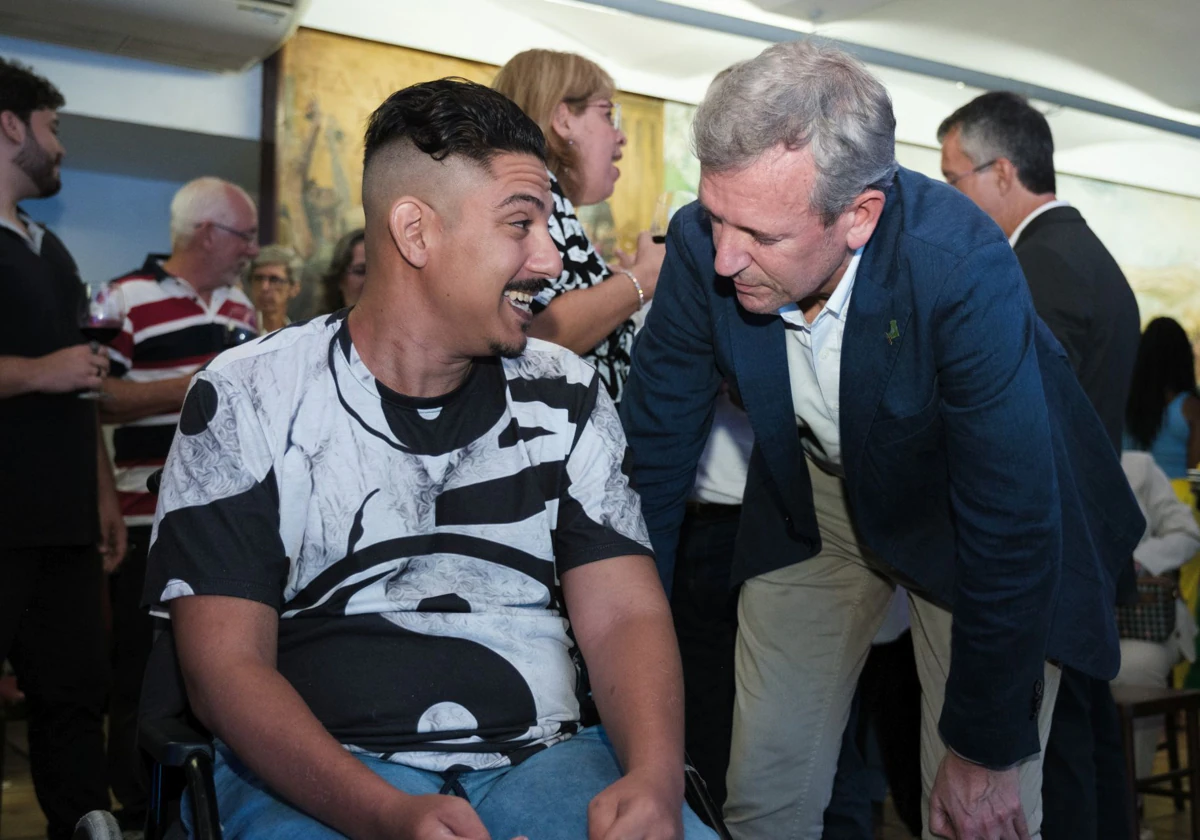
x=636 y=285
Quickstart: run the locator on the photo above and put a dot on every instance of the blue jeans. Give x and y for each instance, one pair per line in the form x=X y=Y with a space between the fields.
x=510 y=801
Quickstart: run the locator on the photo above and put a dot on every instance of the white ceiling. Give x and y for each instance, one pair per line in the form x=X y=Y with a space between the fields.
x=1137 y=54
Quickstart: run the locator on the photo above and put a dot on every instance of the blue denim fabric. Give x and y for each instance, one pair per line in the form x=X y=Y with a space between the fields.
x=510 y=801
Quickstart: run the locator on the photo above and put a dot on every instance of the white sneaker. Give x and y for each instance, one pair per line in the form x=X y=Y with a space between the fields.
x=1146 y=833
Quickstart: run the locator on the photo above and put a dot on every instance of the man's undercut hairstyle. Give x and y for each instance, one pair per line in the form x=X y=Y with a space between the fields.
x=22 y=91
x=453 y=117
x=802 y=94
x=1001 y=124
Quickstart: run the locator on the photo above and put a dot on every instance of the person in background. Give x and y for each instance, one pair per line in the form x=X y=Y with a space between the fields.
x=1163 y=414
x=1172 y=538
x=56 y=482
x=571 y=100
x=182 y=309
x=342 y=282
x=998 y=150
x=273 y=281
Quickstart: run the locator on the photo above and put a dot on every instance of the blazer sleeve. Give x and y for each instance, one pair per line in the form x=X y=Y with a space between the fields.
x=1005 y=504
x=667 y=405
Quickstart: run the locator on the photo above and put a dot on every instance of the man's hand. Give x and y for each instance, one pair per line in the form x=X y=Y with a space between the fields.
x=635 y=808
x=436 y=817
x=113 y=536
x=969 y=802
x=70 y=369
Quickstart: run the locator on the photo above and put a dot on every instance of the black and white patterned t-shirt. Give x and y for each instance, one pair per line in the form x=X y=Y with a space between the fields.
x=413 y=548
x=582 y=269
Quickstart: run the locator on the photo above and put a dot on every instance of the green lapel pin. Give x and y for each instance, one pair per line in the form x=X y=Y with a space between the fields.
x=893 y=332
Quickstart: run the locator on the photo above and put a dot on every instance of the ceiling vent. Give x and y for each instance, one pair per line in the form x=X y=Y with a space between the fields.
x=222 y=35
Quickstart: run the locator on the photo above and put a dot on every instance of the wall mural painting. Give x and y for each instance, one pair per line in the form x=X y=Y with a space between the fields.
x=329 y=86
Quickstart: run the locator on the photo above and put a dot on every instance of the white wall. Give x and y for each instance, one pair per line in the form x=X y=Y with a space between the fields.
x=108 y=222
x=123 y=89
x=114 y=210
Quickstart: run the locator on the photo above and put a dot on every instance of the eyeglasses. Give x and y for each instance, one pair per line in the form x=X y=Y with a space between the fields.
x=270 y=279
x=247 y=236
x=953 y=180
x=613 y=108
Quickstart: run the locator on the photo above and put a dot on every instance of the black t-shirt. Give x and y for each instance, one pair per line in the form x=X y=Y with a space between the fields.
x=413 y=548
x=47 y=441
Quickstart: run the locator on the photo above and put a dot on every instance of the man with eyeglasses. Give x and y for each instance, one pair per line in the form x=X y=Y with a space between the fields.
x=181 y=310
x=998 y=150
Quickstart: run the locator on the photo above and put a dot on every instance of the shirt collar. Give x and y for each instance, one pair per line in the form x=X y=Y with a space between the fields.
x=838 y=302
x=154 y=266
x=1049 y=205
x=36 y=233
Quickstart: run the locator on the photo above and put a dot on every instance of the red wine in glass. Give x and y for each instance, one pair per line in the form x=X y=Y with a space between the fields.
x=101 y=318
x=102 y=332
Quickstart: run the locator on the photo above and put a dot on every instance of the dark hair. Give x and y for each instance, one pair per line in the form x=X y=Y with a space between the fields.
x=22 y=91
x=1165 y=365
x=1002 y=124
x=453 y=117
x=331 y=299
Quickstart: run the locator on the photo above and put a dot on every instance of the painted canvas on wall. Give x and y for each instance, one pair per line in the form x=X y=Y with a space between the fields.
x=329 y=86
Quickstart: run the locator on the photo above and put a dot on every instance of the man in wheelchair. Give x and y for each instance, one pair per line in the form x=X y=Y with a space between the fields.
x=373 y=525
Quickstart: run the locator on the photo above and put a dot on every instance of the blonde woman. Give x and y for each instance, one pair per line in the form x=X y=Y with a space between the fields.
x=588 y=308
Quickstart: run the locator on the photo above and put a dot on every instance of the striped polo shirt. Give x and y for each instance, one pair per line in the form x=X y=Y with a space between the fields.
x=169 y=332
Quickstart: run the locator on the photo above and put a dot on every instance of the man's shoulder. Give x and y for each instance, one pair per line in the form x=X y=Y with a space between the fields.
x=938 y=221
x=547 y=363
x=277 y=356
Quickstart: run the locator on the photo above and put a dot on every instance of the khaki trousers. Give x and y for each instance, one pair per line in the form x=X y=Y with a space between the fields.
x=804 y=633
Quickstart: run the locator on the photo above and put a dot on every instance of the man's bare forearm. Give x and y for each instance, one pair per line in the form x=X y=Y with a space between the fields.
x=633 y=660
x=18 y=375
x=128 y=401
x=266 y=723
x=246 y=702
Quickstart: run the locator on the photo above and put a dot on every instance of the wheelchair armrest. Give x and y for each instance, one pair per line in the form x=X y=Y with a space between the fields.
x=169 y=741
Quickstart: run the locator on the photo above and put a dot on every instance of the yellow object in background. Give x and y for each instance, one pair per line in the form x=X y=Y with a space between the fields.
x=1189 y=574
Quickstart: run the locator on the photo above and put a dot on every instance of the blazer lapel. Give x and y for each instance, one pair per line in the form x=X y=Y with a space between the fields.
x=876 y=328
x=760 y=362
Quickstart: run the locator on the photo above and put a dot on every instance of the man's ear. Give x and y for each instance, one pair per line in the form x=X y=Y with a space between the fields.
x=13 y=127
x=865 y=213
x=409 y=223
x=1006 y=175
x=561 y=121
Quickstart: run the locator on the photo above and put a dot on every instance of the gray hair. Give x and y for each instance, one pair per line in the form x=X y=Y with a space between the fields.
x=278 y=255
x=202 y=200
x=802 y=94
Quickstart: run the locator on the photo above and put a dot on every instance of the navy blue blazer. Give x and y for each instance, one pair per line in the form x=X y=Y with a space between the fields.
x=975 y=465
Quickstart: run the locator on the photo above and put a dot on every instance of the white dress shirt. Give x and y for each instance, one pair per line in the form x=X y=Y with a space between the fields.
x=1049 y=205
x=721 y=473
x=814 y=354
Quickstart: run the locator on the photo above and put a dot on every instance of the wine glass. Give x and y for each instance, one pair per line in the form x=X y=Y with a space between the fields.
x=101 y=319
x=666 y=206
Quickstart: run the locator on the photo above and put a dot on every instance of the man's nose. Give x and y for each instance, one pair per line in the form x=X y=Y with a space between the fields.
x=731 y=257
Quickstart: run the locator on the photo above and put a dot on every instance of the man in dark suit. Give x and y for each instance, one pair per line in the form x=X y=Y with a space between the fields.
x=998 y=150
x=914 y=423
